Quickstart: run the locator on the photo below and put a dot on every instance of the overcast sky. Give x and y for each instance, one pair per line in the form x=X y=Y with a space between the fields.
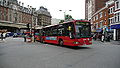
x=53 y=6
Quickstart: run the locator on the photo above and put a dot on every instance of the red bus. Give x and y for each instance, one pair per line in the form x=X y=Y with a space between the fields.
x=72 y=33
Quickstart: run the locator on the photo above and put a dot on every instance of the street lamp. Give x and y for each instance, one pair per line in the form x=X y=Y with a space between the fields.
x=64 y=11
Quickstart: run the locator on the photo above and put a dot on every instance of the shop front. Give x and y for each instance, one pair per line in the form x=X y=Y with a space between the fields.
x=12 y=27
x=116 y=31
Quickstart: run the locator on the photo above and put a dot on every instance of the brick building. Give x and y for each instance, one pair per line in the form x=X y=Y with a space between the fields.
x=107 y=19
x=102 y=18
x=115 y=22
x=92 y=6
x=14 y=16
x=104 y=15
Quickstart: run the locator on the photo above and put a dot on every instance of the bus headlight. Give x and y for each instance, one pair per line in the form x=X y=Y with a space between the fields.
x=76 y=42
x=88 y=39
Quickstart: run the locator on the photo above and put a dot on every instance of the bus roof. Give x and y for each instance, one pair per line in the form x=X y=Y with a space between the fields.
x=66 y=22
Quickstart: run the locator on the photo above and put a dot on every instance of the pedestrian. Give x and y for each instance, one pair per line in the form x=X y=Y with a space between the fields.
x=2 y=36
x=102 y=38
x=95 y=36
x=25 y=37
x=108 y=37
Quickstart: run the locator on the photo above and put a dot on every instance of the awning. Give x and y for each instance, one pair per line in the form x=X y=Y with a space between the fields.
x=12 y=25
x=115 y=26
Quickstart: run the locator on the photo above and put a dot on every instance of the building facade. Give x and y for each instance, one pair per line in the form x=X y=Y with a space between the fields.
x=104 y=15
x=116 y=21
x=103 y=18
x=92 y=6
x=44 y=17
x=14 y=16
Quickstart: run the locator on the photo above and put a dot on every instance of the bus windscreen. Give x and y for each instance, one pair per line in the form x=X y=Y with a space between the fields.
x=83 y=29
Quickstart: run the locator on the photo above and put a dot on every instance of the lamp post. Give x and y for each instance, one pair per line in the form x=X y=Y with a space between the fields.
x=33 y=23
x=64 y=11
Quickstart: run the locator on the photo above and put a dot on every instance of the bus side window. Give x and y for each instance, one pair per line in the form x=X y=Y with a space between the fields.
x=61 y=31
x=53 y=31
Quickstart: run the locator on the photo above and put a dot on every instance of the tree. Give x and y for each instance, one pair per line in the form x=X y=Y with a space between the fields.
x=61 y=21
x=68 y=17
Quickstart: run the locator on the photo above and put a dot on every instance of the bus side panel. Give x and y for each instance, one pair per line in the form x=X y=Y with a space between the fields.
x=51 y=39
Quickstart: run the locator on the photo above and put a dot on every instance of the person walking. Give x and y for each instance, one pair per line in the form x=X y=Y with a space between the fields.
x=24 y=36
x=95 y=36
x=108 y=37
x=2 y=36
x=102 y=38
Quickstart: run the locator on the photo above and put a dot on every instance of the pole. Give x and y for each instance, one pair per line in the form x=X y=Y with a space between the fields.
x=64 y=14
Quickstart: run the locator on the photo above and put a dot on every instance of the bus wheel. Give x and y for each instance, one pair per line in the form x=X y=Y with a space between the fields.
x=61 y=42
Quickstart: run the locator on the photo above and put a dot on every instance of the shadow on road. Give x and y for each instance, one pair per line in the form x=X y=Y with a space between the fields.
x=70 y=47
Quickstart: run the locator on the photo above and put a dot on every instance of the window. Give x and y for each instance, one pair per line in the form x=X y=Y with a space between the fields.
x=96 y=17
x=117 y=5
x=0 y=13
x=109 y=11
x=113 y=8
x=96 y=25
x=118 y=17
x=82 y=29
x=61 y=31
x=100 y=14
x=111 y=21
x=108 y=20
x=105 y=13
x=53 y=31
x=115 y=18
x=0 y=2
x=101 y=24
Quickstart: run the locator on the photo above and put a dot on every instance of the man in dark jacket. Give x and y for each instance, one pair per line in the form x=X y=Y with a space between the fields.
x=2 y=36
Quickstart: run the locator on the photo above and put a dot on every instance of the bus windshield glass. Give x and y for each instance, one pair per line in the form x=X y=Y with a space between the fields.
x=83 y=29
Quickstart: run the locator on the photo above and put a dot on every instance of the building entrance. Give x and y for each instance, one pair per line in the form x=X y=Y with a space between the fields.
x=118 y=34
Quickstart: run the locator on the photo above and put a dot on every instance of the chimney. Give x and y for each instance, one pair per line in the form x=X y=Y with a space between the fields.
x=19 y=2
x=35 y=9
x=23 y=4
x=28 y=6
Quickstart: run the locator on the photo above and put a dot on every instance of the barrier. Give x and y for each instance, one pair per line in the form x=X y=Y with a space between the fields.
x=28 y=39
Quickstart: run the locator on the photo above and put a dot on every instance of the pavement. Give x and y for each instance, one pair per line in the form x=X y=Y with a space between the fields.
x=115 y=42
x=105 y=42
x=1 y=41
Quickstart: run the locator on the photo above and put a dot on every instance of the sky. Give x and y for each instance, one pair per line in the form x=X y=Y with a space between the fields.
x=53 y=6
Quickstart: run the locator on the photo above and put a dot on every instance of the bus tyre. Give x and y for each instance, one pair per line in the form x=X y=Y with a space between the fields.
x=61 y=42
